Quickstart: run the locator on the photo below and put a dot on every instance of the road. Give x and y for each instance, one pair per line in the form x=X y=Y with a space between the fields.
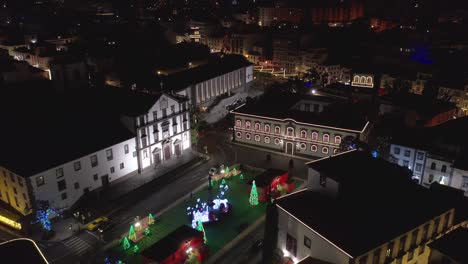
x=245 y=252
x=85 y=246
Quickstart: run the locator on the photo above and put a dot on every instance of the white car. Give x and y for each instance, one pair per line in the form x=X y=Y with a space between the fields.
x=213 y=171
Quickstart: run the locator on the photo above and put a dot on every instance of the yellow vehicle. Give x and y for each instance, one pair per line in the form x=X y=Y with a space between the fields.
x=96 y=223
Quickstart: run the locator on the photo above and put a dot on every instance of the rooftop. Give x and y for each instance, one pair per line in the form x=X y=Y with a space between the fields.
x=351 y=220
x=214 y=68
x=167 y=246
x=58 y=128
x=279 y=106
x=424 y=106
x=453 y=245
x=22 y=250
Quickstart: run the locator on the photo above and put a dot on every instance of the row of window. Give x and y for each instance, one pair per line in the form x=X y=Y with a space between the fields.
x=289 y=131
x=407 y=153
x=26 y=205
x=389 y=253
x=163 y=112
x=302 y=146
x=94 y=162
x=40 y=180
x=13 y=178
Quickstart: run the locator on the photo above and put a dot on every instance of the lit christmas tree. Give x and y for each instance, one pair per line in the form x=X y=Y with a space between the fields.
x=223 y=182
x=42 y=216
x=234 y=172
x=253 y=199
x=135 y=249
x=227 y=170
x=150 y=219
x=131 y=233
x=241 y=176
x=125 y=243
x=147 y=232
x=200 y=228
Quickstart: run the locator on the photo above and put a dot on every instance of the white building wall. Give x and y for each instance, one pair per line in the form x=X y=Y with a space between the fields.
x=413 y=159
x=320 y=248
x=434 y=171
x=460 y=180
x=85 y=177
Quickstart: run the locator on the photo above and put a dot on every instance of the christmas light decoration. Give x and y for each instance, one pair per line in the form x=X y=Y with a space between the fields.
x=147 y=232
x=125 y=243
x=223 y=182
x=200 y=228
x=135 y=249
x=131 y=233
x=150 y=219
x=42 y=216
x=241 y=176
x=253 y=199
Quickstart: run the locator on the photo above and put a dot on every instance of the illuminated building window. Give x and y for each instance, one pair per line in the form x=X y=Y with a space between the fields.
x=247 y=136
x=109 y=155
x=277 y=141
x=277 y=130
x=313 y=148
x=247 y=124
x=59 y=172
x=267 y=128
x=303 y=146
x=325 y=150
x=314 y=136
x=238 y=135
x=337 y=139
x=257 y=126
x=267 y=140
x=77 y=166
x=257 y=138
x=303 y=134
x=64 y=196
x=326 y=138
x=290 y=132
x=77 y=185
x=94 y=160
x=238 y=123
x=40 y=181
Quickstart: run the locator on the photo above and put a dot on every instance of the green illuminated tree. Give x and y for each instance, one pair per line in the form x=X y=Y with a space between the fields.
x=135 y=249
x=241 y=176
x=150 y=219
x=223 y=182
x=253 y=199
x=200 y=228
x=147 y=232
x=234 y=172
x=131 y=233
x=125 y=243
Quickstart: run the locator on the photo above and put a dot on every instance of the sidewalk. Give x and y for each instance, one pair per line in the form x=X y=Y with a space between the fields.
x=123 y=192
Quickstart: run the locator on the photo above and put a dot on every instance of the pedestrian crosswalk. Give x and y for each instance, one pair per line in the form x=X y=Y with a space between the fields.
x=77 y=245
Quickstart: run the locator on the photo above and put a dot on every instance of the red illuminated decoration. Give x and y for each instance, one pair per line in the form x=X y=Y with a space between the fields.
x=274 y=183
x=180 y=246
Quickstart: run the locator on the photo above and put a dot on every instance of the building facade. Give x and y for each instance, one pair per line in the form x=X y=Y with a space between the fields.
x=290 y=136
x=163 y=133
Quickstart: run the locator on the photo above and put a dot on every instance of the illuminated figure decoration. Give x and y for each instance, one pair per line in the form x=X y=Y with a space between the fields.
x=253 y=199
x=212 y=211
x=147 y=232
x=125 y=243
x=200 y=228
x=42 y=216
x=150 y=219
x=131 y=233
x=241 y=176
x=223 y=182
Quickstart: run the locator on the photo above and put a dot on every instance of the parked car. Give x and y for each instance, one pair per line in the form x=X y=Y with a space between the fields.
x=105 y=226
x=97 y=222
x=213 y=171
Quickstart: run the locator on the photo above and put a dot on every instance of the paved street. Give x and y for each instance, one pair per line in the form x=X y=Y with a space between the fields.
x=245 y=251
x=82 y=247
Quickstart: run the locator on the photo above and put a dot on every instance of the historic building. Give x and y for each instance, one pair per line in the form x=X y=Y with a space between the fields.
x=118 y=133
x=308 y=127
x=339 y=219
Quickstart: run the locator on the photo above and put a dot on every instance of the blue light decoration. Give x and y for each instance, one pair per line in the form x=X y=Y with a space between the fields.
x=421 y=55
x=210 y=212
x=374 y=153
x=42 y=216
x=308 y=84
